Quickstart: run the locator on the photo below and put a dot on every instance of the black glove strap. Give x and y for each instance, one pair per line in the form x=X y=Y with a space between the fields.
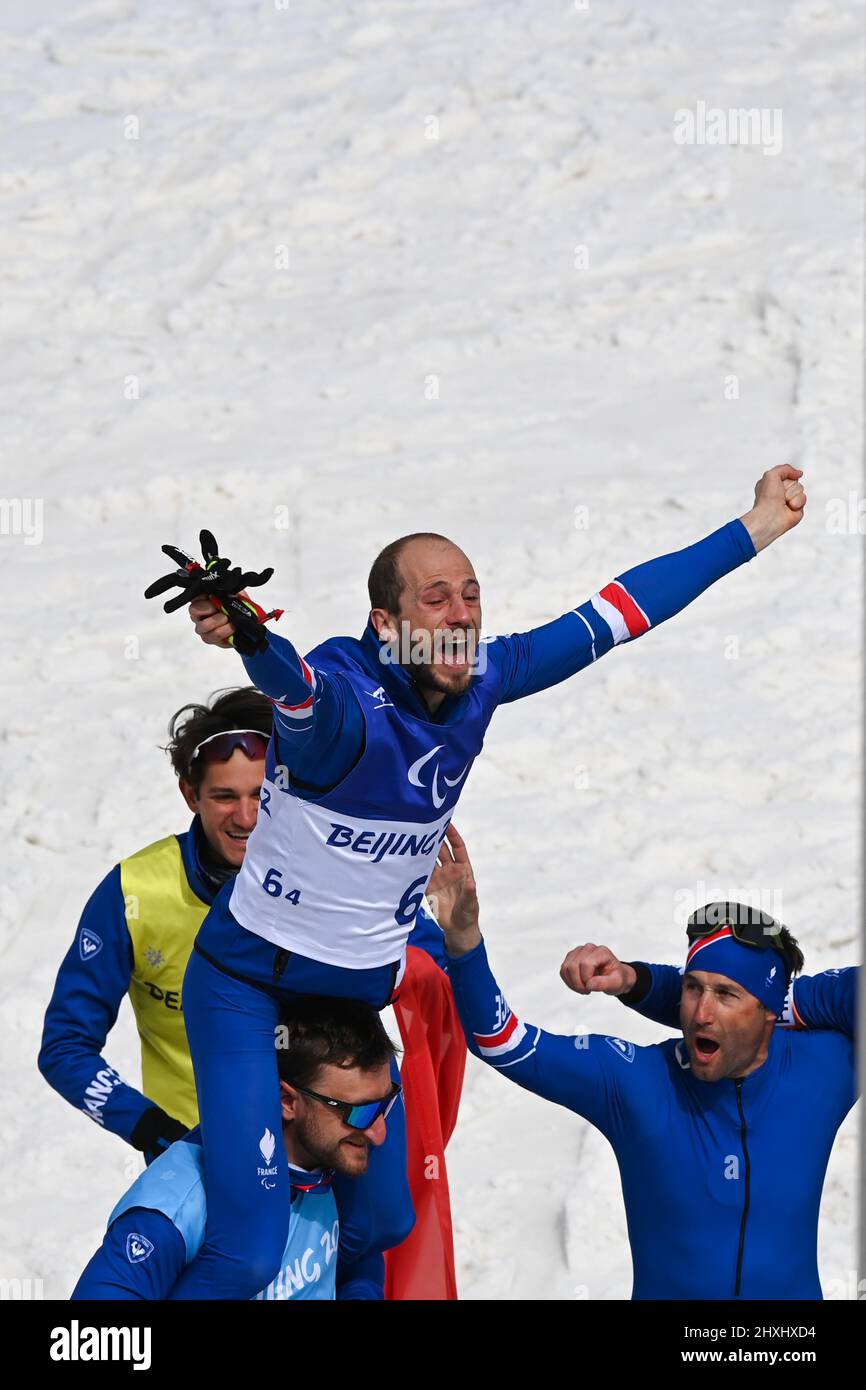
x=155 y=1131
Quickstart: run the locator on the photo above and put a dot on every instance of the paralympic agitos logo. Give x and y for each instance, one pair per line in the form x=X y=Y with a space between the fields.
x=414 y=775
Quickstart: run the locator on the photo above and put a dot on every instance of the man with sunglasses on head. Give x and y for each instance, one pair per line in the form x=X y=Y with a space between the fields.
x=336 y=1092
x=722 y=1136
x=137 y=929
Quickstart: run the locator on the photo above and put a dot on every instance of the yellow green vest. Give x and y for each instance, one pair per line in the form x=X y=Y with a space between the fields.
x=163 y=916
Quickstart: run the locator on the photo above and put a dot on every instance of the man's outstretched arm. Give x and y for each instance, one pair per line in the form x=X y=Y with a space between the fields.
x=825 y=1001
x=318 y=723
x=574 y=1071
x=651 y=990
x=647 y=595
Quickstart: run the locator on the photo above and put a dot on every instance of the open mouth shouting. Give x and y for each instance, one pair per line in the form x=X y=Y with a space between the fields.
x=454 y=647
x=705 y=1047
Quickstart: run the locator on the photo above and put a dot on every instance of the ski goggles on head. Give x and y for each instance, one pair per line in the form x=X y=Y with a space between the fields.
x=747 y=925
x=218 y=748
x=716 y=935
x=360 y=1116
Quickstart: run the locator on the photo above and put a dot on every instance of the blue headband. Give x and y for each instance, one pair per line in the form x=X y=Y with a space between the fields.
x=760 y=970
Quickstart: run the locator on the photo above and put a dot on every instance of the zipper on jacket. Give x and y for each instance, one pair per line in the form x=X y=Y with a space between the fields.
x=744 y=1218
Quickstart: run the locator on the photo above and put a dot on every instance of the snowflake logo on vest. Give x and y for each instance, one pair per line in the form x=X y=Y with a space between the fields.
x=154 y=957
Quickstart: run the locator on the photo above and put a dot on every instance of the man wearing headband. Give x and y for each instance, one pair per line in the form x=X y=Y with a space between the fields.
x=336 y=1093
x=723 y=1136
x=137 y=929
x=655 y=991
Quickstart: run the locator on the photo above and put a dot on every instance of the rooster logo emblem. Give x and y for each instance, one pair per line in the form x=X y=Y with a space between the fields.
x=138 y=1248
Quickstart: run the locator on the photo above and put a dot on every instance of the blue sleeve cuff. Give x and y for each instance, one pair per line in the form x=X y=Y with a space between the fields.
x=456 y=963
x=743 y=540
x=277 y=671
x=658 y=992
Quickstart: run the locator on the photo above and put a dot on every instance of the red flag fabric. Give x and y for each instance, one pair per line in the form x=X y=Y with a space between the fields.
x=434 y=1060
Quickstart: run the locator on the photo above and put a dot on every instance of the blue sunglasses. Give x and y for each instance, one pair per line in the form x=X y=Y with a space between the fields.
x=360 y=1116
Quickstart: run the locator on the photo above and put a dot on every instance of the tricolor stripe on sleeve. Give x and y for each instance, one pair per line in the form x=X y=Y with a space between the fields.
x=789 y=1017
x=300 y=713
x=504 y=1041
x=623 y=615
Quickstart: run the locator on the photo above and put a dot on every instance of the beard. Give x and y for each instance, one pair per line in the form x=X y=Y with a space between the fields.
x=347 y=1154
x=441 y=680
x=421 y=652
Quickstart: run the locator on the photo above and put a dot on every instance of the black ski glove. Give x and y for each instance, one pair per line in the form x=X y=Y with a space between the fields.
x=221 y=583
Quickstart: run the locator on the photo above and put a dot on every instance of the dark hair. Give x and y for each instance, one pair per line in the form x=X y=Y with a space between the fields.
x=791 y=953
x=316 y=1031
x=714 y=914
x=242 y=707
x=385 y=582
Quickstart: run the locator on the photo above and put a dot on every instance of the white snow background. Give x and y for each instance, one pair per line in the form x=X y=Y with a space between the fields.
x=311 y=276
